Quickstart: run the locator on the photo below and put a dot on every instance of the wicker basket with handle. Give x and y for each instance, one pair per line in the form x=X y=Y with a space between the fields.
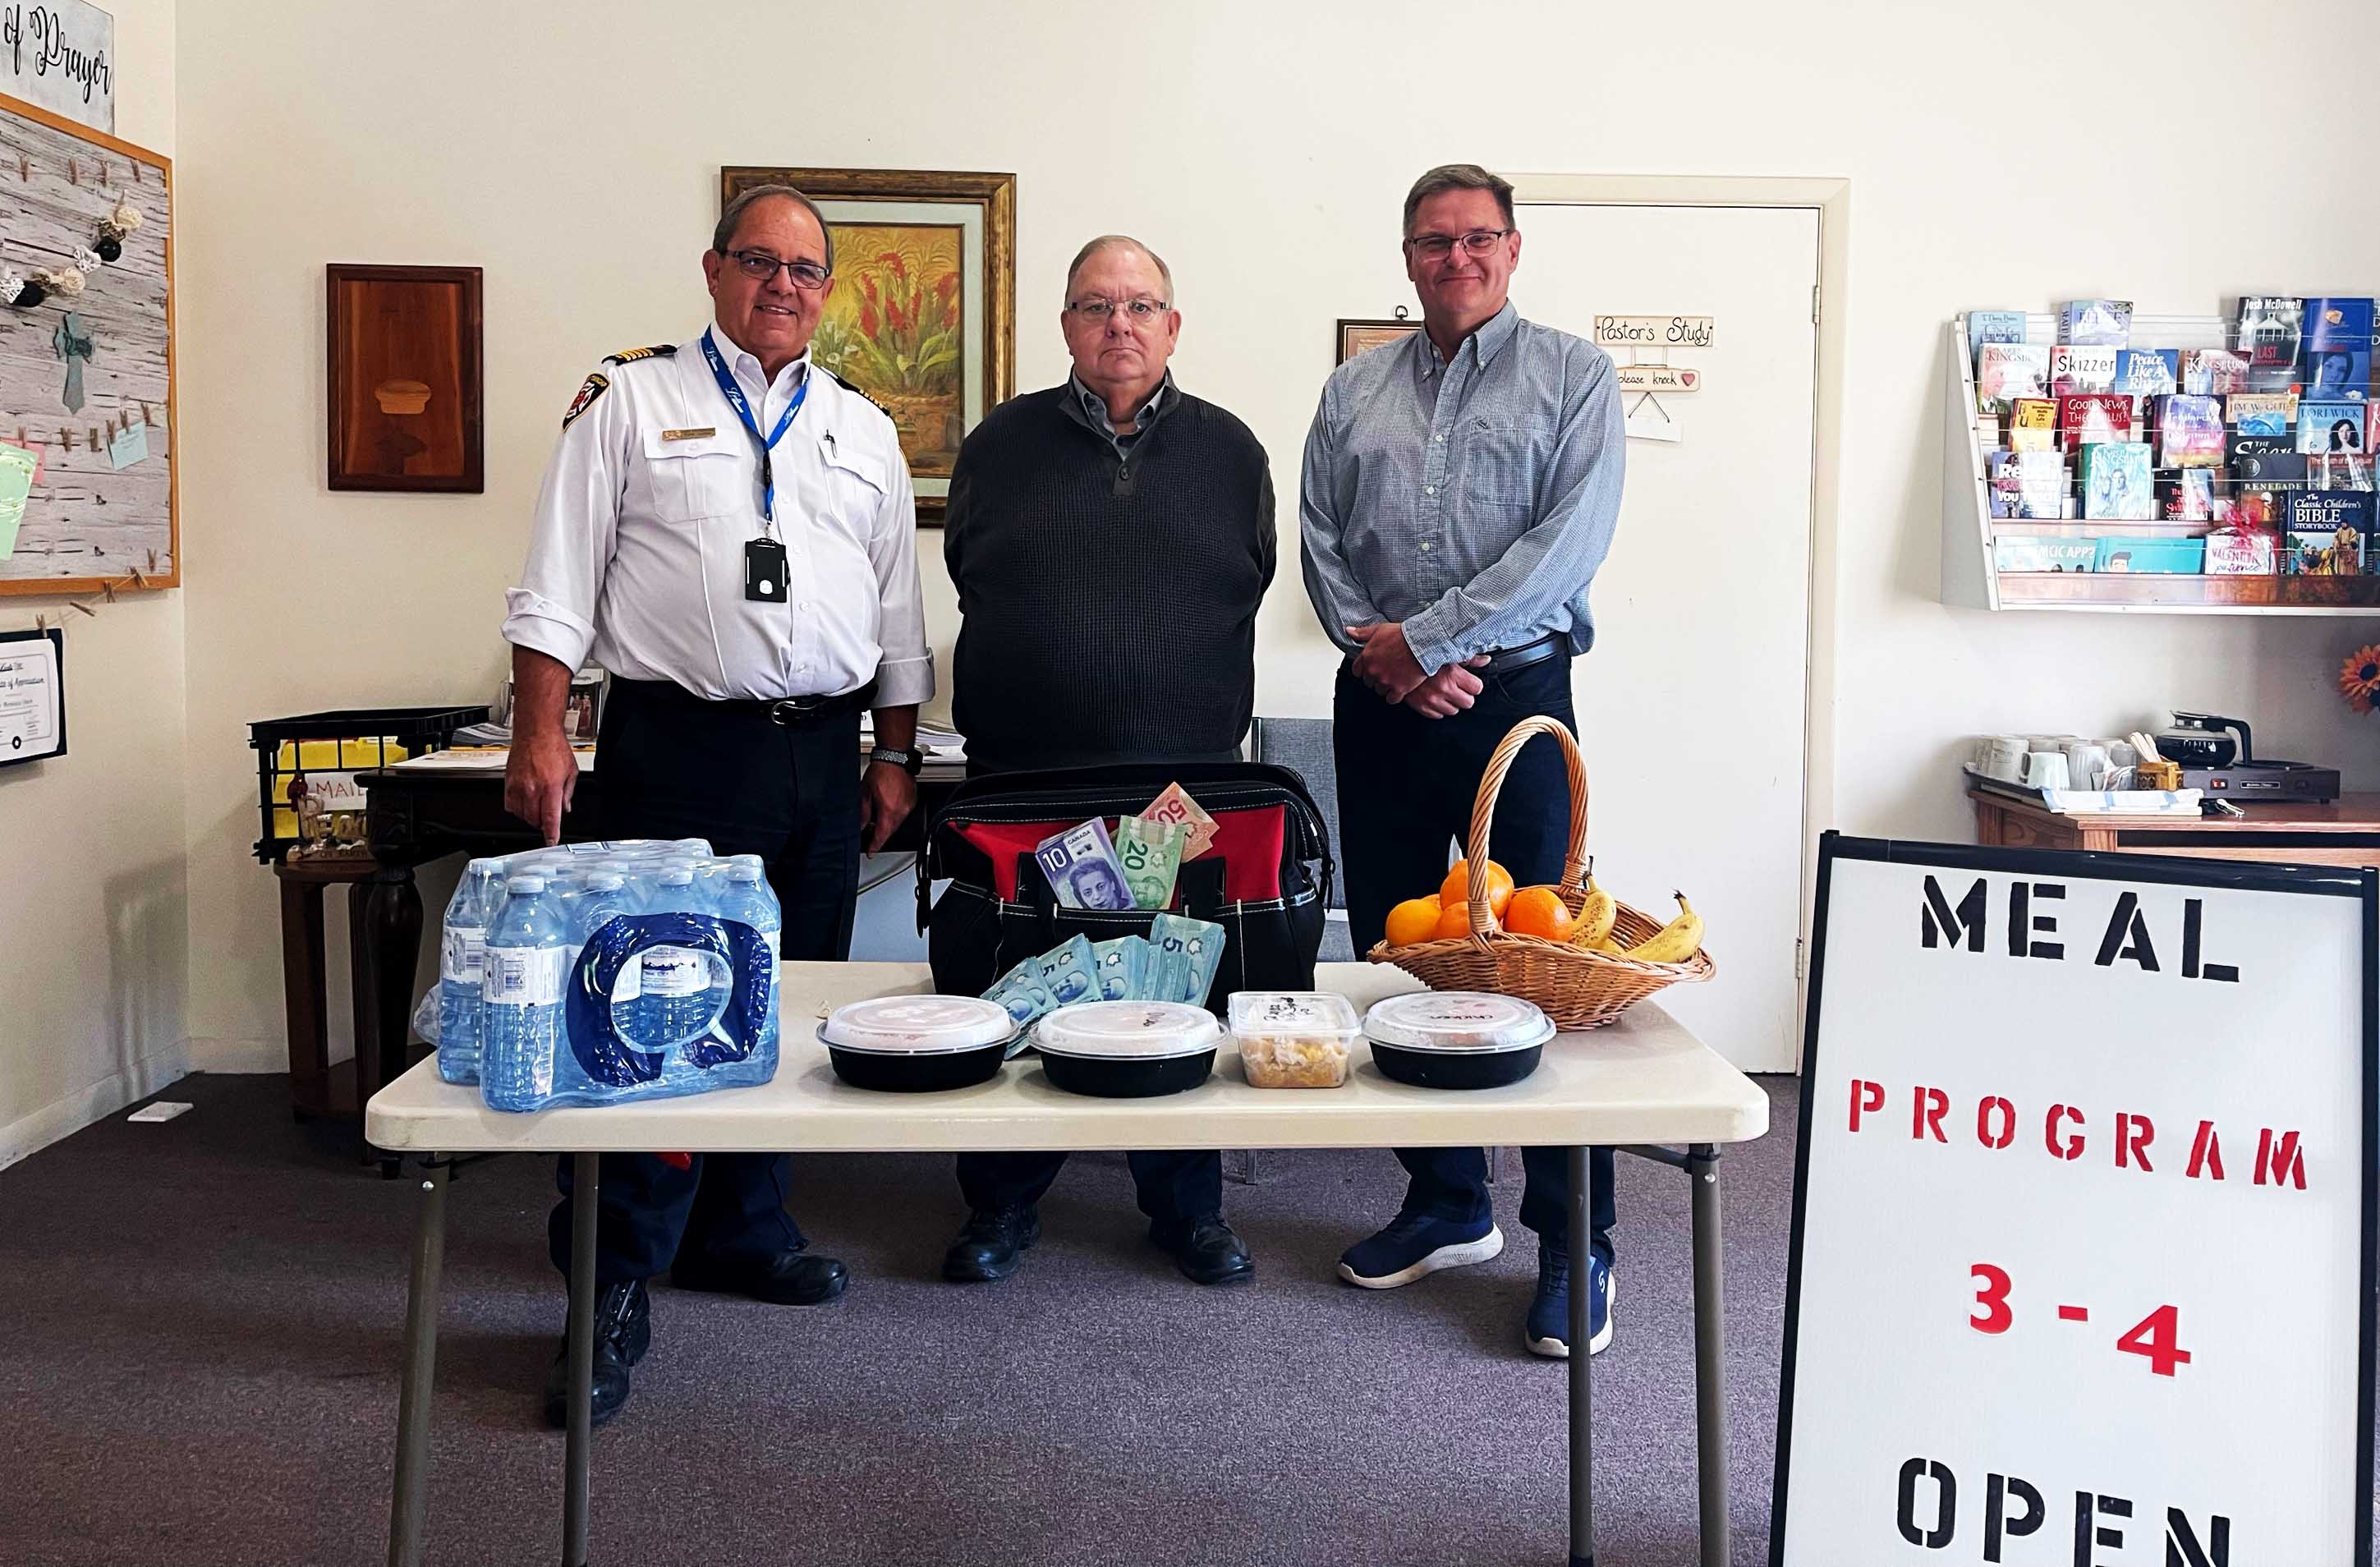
x=1578 y=986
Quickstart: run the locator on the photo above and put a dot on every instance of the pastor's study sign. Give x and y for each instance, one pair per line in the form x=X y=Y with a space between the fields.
x=2082 y=1254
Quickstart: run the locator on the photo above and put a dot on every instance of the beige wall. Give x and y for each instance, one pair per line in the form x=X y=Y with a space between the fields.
x=572 y=151
x=94 y=938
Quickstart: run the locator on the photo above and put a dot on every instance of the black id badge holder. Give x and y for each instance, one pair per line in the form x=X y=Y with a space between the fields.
x=764 y=570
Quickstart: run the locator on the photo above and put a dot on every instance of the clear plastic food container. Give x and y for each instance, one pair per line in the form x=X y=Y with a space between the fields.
x=1457 y=1038
x=1127 y=1050
x=1294 y=1039
x=917 y=1044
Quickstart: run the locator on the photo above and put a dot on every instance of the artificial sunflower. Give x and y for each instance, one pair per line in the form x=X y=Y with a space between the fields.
x=2359 y=677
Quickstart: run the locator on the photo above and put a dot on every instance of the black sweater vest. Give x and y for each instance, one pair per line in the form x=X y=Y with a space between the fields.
x=1109 y=608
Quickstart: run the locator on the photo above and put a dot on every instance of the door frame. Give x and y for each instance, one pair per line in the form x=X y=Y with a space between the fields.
x=1830 y=199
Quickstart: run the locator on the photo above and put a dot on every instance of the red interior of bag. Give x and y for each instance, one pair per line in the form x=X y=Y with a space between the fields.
x=1248 y=842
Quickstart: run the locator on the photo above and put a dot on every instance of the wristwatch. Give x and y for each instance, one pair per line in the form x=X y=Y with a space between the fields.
x=910 y=763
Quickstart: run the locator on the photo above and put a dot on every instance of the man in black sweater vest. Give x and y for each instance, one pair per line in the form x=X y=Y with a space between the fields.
x=1110 y=539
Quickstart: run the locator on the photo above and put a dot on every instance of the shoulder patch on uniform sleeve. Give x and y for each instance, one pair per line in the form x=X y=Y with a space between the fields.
x=629 y=355
x=859 y=394
x=596 y=384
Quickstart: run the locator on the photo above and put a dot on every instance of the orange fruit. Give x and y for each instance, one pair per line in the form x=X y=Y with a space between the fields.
x=1454 y=920
x=1415 y=919
x=1456 y=888
x=1539 y=911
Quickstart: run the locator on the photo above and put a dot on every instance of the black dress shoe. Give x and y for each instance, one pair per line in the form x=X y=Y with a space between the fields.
x=992 y=1245
x=789 y=1278
x=624 y=1330
x=1208 y=1252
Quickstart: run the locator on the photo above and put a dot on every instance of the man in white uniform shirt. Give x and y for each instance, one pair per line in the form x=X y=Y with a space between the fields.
x=730 y=531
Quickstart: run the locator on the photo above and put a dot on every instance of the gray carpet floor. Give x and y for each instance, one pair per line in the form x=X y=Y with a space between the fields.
x=200 y=1329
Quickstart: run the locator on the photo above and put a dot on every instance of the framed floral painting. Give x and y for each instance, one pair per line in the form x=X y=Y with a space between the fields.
x=922 y=317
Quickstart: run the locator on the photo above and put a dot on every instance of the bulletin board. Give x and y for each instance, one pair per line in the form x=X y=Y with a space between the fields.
x=87 y=376
x=2082 y=1258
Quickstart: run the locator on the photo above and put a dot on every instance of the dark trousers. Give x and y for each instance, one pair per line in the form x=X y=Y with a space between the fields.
x=672 y=766
x=1176 y=1188
x=1406 y=783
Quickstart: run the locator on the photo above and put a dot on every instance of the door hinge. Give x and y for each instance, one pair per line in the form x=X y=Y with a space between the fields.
x=1801 y=958
x=1814 y=304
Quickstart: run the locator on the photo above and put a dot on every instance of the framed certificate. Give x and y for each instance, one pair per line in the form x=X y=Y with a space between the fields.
x=32 y=696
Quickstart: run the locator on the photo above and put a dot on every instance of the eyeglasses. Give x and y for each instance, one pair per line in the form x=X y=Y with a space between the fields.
x=1437 y=247
x=761 y=266
x=1140 y=311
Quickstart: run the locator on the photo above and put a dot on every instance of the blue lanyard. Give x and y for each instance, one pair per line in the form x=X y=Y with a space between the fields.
x=734 y=395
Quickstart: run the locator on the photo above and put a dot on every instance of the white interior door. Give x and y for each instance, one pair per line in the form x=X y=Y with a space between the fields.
x=1692 y=705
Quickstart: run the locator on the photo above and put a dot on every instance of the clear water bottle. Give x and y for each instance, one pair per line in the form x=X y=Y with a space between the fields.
x=528 y=960
x=749 y=900
x=463 y=952
x=606 y=896
x=676 y=982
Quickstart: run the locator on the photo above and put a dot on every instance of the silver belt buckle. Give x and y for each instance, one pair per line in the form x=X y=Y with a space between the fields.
x=793 y=710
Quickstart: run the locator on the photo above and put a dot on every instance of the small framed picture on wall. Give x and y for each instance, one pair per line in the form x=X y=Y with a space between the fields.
x=404 y=379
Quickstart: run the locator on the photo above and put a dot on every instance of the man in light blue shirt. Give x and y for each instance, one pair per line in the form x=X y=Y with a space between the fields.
x=1461 y=488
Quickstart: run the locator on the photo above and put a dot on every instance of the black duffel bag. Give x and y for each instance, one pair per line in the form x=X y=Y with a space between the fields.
x=1264 y=878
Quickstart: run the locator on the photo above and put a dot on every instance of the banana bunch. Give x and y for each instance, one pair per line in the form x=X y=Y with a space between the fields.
x=1675 y=942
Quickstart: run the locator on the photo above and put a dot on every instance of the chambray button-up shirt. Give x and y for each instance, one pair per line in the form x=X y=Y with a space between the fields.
x=1474 y=500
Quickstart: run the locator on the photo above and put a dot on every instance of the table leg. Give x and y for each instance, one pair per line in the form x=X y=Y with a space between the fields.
x=409 y=1504
x=1581 y=1438
x=384 y=942
x=584 y=1182
x=302 y=969
x=1710 y=1355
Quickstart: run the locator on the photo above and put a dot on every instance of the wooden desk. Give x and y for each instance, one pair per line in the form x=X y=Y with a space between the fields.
x=2346 y=831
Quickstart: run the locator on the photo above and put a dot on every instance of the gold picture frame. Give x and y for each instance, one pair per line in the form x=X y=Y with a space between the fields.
x=923 y=315
x=1356 y=336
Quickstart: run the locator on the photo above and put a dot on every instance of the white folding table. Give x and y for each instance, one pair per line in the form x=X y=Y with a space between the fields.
x=1639 y=1083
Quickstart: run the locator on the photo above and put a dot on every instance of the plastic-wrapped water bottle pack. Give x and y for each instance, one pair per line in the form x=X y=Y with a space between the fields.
x=599 y=973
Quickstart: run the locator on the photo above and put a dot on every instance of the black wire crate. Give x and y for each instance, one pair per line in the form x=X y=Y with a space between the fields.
x=327 y=750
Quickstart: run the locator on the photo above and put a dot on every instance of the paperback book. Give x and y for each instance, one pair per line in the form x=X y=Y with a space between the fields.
x=2213 y=372
x=2190 y=431
x=2031 y=485
x=2330 y=427
x=2148 y=372
x=2009 y=370
x=2078 y=368
x=2032 y=424
x=2339 y=348
x=1993 y=326
x=2270 y=327
x=2103 y=322
x=2043 y=555
x=2266 y=459
x=2260 y=413
x=2174 y=556
x=2088 y=418
x=2188 y=496
x=2116 y=482
x=2327 y=531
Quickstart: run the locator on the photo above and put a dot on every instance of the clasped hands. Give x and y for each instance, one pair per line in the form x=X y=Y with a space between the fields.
x=1386 y=663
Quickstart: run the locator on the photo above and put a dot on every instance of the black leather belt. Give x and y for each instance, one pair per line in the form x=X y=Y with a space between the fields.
x=787 y=713
x=1503 y=660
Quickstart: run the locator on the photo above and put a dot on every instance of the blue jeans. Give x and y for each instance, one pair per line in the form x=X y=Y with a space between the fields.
x=1406 y=783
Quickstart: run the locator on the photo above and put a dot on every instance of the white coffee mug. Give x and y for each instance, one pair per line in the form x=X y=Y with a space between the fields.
x=2046 y=770
x=2002 y=756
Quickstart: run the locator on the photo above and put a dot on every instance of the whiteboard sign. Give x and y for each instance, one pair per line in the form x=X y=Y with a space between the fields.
x=1653 y=331
x=2081 y=1258
x=60 y=55
x=32 y=696
x=1675 y=378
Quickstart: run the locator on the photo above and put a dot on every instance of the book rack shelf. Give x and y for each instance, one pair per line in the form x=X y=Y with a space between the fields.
x=1970 y=576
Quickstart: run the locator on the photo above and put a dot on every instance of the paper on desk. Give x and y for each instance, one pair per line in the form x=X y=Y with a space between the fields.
x=475 y=759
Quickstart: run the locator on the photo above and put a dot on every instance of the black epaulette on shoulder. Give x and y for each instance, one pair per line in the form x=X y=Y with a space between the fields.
x=859 y=394
x=657 y=351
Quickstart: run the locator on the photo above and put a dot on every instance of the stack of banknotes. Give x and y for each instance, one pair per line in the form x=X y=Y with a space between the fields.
x=1136 y=866
x=1175 y=962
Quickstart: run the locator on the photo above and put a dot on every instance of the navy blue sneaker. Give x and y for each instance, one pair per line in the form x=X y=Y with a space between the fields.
x=1415 y=1245
x=1548 y=1329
